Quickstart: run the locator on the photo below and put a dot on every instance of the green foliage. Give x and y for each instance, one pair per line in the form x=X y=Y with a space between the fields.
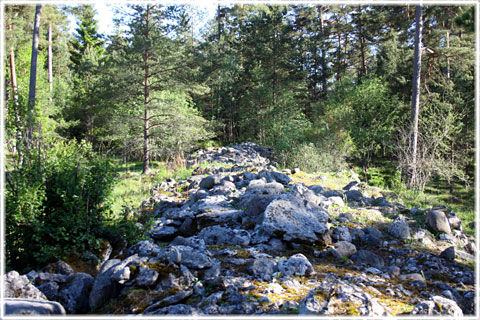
x=368 y=111
x=56 y=204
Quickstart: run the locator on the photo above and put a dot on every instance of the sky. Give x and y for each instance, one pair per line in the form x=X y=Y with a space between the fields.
x=105 y=15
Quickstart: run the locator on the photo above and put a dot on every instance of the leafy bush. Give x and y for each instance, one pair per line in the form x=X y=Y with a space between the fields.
x=55 y=205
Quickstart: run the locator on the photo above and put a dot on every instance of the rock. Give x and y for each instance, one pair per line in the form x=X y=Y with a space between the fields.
x=448 y=254
x=399 y=229
x=146 y=277
x=340 y=298
x=257 y=205
x=104 y=287
x=438 y=305
x=17 y=286
x=438 y=221
x=28 y=307
x=454 y=221
x=368 y=258
x=354 y=195
x=342 y=234
x=74 y=295
x=188 y=256
x=187 y=228
x=247 y=175
x=290 y=219
x=262 y=268
x=49 y=289
x=194 y=242
x=60 y=267
x=337 y=201
x=345 y=248
x=210 y=181
x=351 y=186
x=297 y=265
x=281 y=178
x=144 y=248
x=295 y=170
x=370 y=240
x=224 y=236
x=163 y=232
x=176 y=310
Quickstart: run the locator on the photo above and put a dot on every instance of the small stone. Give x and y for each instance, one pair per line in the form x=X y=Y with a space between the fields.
x=345 y=248
x=448 y=254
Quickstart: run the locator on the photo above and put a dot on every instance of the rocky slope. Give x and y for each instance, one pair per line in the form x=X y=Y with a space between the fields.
x=247 y=239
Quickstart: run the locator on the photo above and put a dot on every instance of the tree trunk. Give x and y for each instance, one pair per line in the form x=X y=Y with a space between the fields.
x=146 y=133
x=50 y=68
x=33 y=77
x=323 y=60
x=412 y=174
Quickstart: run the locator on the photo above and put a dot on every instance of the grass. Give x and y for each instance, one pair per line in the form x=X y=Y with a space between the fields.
x=132 y=188
x=436 y=193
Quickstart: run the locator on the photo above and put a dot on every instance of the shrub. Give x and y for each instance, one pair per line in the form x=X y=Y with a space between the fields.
x=56 y=204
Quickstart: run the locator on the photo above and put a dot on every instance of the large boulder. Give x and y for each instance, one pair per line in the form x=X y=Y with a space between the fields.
x=74 y=295
x=437 y=220
x=30 y=307
x=287 y=217
x=105 y=286
x=17 y=286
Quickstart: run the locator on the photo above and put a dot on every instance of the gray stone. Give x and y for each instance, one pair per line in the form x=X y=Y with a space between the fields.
x=257 y=205
x=399 y=229
x=297 y=265
x=368 y=258
x=247 y=175
x=352 y=185
x=225 y=236
x=438 y=221
x=50 y=289
x=337 y=201
x=104 y=288
x=438 y=305
x=29 y=307
x=262 y=268
x=144 y=248
x=345 y=248
x=281 y=178
x=354 y=195
x=194 y=242
x=74 y=295
x=60 y=267
x=342 y=234
x=163 y=232
x=173 y=299
x=193 y=259
x=448 y=254
x=17 y=286
x=454 y=221
x=290 y=219
x=176 y=310
x=146 y=277
x=210 y=181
